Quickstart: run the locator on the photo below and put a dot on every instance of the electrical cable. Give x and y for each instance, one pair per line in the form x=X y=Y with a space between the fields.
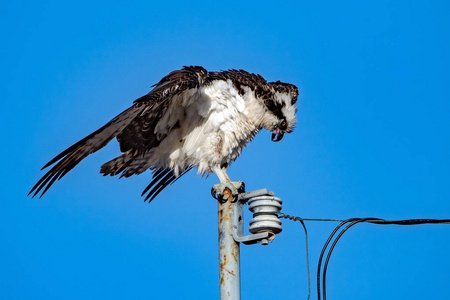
x=355 y=221
x=352 y=221
x=306 y=245
x=325 y=266
x=319 y=265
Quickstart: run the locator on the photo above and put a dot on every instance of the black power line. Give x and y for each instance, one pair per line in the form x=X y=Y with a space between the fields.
x=350 y=223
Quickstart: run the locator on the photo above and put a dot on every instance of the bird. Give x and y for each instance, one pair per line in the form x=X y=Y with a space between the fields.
x=191 y=118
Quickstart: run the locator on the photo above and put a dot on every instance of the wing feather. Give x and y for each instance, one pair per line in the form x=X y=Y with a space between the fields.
x=134 y=130
x=139 y=136
x=73 y=155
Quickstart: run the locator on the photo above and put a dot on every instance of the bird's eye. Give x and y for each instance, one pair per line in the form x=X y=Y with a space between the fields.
x=283 y=125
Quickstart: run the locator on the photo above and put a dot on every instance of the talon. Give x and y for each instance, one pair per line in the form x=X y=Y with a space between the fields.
x=213 y=193
x=241 y=188
x=219 y=190
x=235 y=197
x=221 y=199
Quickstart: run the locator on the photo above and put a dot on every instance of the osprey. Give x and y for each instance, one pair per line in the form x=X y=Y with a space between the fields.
x=191 y=118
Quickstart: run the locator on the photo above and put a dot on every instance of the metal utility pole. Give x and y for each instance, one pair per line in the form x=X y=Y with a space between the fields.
x=229 y=252
x=264 y=226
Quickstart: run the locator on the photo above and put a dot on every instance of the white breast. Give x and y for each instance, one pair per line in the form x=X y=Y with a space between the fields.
x=216 y=123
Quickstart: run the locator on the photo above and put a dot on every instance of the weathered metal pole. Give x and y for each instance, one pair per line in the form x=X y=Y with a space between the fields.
x=229 y=254
x=229 y=268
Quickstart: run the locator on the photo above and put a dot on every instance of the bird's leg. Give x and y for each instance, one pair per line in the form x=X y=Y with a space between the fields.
x=220 y=190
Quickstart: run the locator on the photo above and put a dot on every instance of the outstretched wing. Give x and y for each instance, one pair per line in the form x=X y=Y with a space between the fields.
x=134 y=128
x=139 y=136
x=73 y=155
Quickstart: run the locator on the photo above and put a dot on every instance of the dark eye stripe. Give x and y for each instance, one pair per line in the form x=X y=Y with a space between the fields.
x=275 y=107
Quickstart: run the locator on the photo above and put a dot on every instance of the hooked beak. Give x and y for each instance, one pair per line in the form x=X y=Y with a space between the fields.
x=277 y=135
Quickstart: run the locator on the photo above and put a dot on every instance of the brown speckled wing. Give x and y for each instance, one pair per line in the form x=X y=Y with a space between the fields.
x=134 y=128
x=73 y=155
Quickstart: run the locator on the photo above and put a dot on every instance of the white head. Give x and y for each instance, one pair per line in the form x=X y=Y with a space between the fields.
x=281 y=108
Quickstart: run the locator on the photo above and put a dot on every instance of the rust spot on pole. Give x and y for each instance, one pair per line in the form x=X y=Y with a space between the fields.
x=227 y=194
x=235 y=255
x=229 y=272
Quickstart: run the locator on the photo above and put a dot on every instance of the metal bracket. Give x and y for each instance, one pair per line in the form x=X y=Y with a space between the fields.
x=265 y=223
x=260 y=236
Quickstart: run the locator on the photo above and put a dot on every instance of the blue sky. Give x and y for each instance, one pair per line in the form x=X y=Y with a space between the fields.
x=372 y=139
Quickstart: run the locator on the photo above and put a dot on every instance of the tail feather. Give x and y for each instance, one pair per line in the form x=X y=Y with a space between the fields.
x=161 y=179
x=128 y=164
x=116 y=165
x=73 y=155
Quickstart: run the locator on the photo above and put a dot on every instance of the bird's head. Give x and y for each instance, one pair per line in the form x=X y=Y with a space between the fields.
x=281 y=108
